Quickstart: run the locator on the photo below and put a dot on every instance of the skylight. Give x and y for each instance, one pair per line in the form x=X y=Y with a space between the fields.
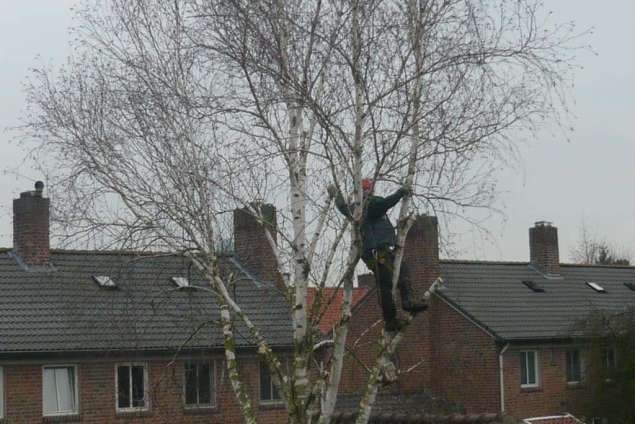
x=533 y=286
x=630 y=286
x=104 y=281
x=595 y=286
x=181 y=282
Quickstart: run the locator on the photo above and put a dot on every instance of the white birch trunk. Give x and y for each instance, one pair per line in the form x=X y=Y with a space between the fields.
x=330 y=398
x=405 y=217
x=232 y=367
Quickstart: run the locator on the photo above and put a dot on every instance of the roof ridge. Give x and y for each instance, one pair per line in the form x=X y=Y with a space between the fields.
x=121 y=252
x=482 y=262
x=598 y=266
x=495 y=262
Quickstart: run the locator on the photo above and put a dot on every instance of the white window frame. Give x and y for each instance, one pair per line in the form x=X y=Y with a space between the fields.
x=536 y=369
x=581 y=362
x=2 y=393
x=146 y=391
x=271 y=386
x=75 y=385
x=212 y=365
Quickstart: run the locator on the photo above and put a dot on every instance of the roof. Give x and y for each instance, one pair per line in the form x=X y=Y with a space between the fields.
x=416 y=408
x=64 y=310
x=332 y=304
x=492 y=295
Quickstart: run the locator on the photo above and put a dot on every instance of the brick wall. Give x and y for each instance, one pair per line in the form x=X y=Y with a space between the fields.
x=364 y=331
x=464 y=361
x=23 y=391
x=251 y=245
x=31 y=228
x=553 y=396
x=543 y=248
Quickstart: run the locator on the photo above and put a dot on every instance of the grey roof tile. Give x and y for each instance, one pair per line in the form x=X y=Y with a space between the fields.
x=65 y=310
x=493 y=295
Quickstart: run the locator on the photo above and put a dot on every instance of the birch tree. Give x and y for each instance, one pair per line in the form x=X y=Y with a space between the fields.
x=171 y=113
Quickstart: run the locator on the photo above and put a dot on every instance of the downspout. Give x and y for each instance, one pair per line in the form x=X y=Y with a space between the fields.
x=501 y=377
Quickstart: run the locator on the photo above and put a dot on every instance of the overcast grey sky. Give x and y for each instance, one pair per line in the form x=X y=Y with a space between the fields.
x=586 y=178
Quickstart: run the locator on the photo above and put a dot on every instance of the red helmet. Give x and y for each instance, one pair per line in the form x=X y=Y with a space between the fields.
x=367 y=184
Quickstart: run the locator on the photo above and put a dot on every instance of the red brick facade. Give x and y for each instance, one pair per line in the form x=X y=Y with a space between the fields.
x=553 y=396
x=459 y=361
x=97 y=393
x=363 y=334
x=464 y=361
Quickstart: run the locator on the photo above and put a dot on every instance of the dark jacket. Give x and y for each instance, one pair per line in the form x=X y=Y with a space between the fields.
x=376 y=229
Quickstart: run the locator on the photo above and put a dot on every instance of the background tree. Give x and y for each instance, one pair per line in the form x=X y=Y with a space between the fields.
x=593 y=250
x=170 y=114
x=609 y=367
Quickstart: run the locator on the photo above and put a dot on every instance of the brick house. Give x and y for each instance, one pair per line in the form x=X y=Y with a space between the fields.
x=498 y=336
x=119 y=337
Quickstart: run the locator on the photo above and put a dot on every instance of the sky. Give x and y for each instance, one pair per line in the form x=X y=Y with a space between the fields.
x=583 y=178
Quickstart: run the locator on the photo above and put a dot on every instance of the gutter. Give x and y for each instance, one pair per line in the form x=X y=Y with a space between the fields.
x=551 y=417
x=501 y=377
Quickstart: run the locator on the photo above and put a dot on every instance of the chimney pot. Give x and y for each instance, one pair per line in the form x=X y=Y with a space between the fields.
x=39 y=187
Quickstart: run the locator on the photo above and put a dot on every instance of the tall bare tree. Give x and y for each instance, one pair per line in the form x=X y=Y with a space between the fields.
x=170 y=113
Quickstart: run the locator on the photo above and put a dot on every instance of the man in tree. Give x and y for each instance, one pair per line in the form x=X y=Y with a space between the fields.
x=378 y=242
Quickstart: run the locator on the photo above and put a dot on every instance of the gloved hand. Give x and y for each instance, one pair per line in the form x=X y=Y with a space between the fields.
x=332 y=190
x=406 y=191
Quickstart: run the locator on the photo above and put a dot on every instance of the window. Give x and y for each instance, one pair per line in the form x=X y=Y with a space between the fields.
x=529 y=368
x=132 y=383
x=199 y=384
x=595 y=286
x=533 y=286
x=608 y=358
x=104 y=281
x=268 y=391
x=59 y=390
x=574 y=366
x=1 y=392
x=181 y=282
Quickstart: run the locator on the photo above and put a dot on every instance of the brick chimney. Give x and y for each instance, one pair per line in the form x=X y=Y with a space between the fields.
x=250 y=241
x=543 y=248
x=422 y=254
x=31 y=227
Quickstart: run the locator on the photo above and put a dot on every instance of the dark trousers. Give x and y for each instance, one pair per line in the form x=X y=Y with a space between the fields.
x=381 y=262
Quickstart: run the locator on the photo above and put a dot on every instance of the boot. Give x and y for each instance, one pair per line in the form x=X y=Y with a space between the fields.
x=395 y=325
x=413 y=307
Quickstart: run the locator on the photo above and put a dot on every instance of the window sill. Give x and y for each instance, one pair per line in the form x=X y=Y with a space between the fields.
x=530 y=389
x=276 y=404
x=574 y=385
x=60 y=418
x=141 y=413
